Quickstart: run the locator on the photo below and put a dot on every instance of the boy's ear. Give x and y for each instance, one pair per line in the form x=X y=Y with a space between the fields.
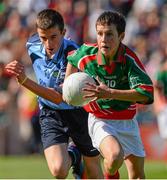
x=64 y=32
x=122 y=35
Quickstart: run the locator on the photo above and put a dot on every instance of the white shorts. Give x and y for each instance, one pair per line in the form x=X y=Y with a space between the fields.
x=162 y=123
x=126 y=131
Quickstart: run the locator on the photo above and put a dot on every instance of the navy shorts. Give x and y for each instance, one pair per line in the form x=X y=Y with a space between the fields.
x=58 y=125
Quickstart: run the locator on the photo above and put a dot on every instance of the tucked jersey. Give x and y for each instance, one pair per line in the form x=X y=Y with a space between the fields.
x=50 y=72
x=125 y=72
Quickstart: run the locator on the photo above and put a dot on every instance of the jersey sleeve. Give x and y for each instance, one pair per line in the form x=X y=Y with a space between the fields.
x=73 y=58
x=139 y=80
x=76 y=56
x=33 y=46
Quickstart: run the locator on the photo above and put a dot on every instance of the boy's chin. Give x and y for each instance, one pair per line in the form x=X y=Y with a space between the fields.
x=50 y=55
x=105 y=54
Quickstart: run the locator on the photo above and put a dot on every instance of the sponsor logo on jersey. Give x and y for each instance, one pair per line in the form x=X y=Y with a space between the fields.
x=55 y=74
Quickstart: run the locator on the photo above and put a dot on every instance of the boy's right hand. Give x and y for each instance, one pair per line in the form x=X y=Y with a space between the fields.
x=16 y=69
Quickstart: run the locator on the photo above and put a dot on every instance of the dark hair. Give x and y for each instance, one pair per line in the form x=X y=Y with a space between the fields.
x=49 y=18
x=112 y=17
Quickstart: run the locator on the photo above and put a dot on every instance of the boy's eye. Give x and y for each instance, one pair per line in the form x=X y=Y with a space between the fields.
x=109 y=34
x=100 y=33
x=53 y=37
x=43 y=38
x=106 y=33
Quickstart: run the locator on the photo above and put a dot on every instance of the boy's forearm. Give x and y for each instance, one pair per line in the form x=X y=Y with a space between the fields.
x=46 y=93
x=128 y=95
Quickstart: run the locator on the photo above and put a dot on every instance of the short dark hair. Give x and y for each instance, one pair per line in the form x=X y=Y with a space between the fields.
x=112 y=17
x=49 y=18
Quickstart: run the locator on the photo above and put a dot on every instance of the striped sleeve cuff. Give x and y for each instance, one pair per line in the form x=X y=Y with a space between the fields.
x=146 y=90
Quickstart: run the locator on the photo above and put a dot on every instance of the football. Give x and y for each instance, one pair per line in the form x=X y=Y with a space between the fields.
x=72 y=88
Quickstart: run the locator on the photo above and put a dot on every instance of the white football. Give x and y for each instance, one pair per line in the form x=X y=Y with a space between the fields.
x=72 y=88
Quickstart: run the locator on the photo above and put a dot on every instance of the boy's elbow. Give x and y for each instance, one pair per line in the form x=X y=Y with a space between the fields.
x=147 y=100
x=58 y=99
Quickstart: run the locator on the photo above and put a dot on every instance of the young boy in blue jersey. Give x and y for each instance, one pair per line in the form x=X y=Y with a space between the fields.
x=48 y=50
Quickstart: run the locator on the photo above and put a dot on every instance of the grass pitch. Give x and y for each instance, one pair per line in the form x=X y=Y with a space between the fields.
x=35 y=167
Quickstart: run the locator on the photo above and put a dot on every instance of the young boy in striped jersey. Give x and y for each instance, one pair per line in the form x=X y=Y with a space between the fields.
x=48 y=51
x=122 y=82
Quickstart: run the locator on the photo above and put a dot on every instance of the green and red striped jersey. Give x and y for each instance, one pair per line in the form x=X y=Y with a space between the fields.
x=125 y=72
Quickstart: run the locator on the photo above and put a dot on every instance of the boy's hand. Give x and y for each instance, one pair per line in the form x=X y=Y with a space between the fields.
x=100 y=91
x=16 y=69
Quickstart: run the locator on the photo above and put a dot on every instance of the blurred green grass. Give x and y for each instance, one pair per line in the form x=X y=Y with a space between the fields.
x=35 y=167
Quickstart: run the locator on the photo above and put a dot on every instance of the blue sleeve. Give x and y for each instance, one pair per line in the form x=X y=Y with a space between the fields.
x=34 y=47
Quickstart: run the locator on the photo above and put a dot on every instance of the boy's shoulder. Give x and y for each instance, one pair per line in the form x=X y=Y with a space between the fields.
x=34 y=39
x=89 y=48
x=34 y=46
x=84 y=50
x=132 y=57
x=69 y=46
x=89 y=45
x=68 y=42
x=130 y=53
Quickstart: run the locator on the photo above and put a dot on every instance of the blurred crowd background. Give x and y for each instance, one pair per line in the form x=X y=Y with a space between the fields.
x=146 y=33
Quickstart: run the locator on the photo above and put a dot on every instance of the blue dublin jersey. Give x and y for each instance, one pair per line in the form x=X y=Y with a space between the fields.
x=50 y=72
